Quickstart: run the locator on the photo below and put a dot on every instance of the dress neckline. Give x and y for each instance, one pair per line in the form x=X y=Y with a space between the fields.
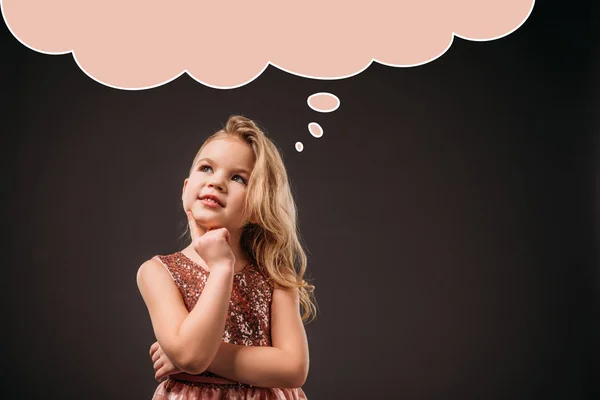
x=207 y=271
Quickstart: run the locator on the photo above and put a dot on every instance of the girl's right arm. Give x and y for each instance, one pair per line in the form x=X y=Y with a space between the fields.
x=190 y=340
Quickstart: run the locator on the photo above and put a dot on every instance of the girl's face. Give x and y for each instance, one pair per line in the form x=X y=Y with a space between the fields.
x=222 y=171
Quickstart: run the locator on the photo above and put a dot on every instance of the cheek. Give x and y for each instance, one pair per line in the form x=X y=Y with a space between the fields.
x=188 y=198
x=190 y=195
x=239 y=199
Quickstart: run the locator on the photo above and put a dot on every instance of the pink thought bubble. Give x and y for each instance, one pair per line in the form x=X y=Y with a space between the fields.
x=134 y=44
x=323 y=102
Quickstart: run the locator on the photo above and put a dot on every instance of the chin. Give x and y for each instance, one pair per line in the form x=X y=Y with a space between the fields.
x=211 y=223
x=208 y=222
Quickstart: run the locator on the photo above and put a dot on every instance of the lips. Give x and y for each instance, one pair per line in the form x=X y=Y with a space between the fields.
x=212 y=197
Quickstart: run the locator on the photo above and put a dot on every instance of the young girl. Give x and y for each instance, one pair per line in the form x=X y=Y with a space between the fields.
x=226 y=309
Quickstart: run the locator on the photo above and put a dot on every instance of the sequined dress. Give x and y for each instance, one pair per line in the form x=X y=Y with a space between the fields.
x=248 y=323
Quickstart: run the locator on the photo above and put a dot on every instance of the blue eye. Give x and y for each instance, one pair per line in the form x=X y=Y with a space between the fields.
x=241 y=180
x=237 y=178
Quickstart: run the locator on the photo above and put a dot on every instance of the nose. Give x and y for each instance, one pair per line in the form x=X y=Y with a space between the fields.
x=216 y=182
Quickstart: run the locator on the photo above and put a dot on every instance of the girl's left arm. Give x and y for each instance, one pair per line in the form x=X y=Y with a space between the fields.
x=285 y=364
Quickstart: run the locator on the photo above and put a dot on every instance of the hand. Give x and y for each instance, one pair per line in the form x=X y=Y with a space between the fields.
x=212 y=246
x=163 y=367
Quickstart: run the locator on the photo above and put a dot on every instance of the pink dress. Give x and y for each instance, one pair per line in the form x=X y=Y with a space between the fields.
x=248 y=323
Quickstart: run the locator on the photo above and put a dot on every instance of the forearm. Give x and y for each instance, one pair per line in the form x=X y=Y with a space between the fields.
x=201 y=332
x=260 y=366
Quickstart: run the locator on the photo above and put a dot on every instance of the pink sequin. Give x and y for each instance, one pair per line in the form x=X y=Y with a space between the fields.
x=248 y=323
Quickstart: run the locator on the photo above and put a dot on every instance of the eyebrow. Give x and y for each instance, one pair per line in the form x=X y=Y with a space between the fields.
x=235 y=170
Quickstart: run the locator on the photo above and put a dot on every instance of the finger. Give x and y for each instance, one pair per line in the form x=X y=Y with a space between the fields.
x=226 y=234
x=221 y=233
x=159 y=354
x=170 y=369
x=193 y=225
x=156 y=353
x=157 y=364
x=166 y=370
x=153 y=348
x=161 y=374
x=158 y=376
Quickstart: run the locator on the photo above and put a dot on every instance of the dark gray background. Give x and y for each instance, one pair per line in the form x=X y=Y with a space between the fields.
x=448 y=211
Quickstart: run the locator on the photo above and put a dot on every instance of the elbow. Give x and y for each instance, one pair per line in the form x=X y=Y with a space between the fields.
x=190 y=362
x=297 y=377
x=194 y=359
x=301 y=377
x=296 y=382
x=194 y=369
x=193 y=365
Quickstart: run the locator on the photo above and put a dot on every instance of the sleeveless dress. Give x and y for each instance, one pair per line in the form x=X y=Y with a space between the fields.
x=248 y=323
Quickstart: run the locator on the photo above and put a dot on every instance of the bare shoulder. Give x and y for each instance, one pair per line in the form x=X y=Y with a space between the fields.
x=287 y=294
x=163 y=300
x=155 y=281
x=149 y=271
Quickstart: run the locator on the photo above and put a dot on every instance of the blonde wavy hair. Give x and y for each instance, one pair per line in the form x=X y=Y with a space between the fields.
x=272 y=240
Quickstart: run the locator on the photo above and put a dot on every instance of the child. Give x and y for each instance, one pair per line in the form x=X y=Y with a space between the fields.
x=226 y=309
